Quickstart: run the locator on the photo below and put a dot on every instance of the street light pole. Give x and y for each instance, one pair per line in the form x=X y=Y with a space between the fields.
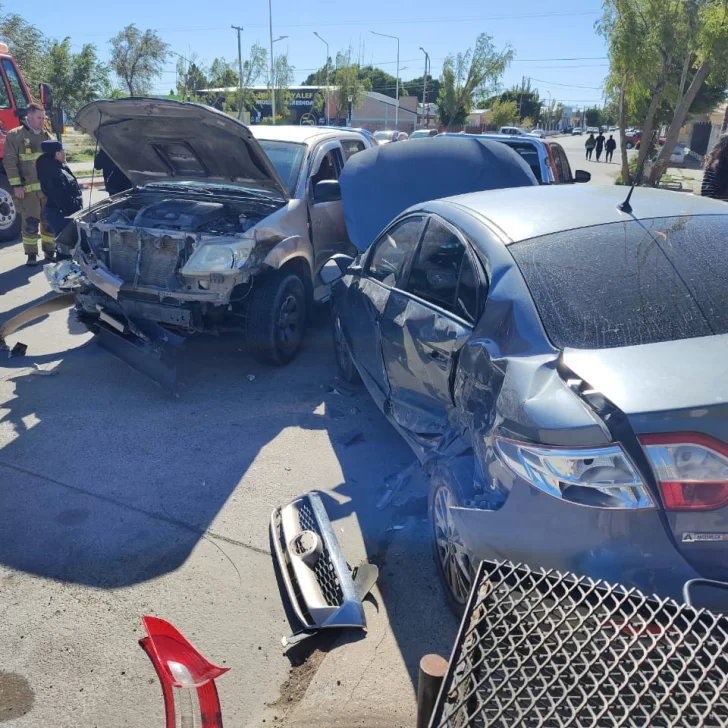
x=396 y=108
x=424 y=89
x=272 y=66
x=327 y=75
x=240 y=71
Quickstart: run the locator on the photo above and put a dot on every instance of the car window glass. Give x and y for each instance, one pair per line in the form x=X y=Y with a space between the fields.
x=4 y=98
x=392 y=251
x=21 y=100
x=628 y=283
x=435 y=271
x=530 y=155
x=287 y=158
x=564 y=164
x=329 y=168
x=352 y=146
x=467 y=296
x=557 y=162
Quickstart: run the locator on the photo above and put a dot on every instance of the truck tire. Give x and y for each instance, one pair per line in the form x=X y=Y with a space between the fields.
x=276 y=318
x=9 y=215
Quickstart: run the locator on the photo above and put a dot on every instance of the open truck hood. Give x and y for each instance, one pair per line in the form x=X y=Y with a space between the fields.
x=158 y=140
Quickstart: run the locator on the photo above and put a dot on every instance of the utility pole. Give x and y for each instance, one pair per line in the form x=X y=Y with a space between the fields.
x=520 y=98
x=424 y=89
x=239 y=29
x=327 y=76
x=272 y=65
x=396 y=108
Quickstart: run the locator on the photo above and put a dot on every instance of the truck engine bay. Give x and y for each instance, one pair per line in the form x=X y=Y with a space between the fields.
x=146 y=239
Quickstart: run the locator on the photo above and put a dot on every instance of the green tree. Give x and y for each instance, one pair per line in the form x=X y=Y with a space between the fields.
x=594 y=116
x=283 y=75
x=27 y=44
x=466 y=75
x=502 y=113
x=190 y=78
x=76 y=78
x=527 y=99
x=137 y=58
x=350 y=83
x=415 y=87
x=222 y=74
x=662 y=54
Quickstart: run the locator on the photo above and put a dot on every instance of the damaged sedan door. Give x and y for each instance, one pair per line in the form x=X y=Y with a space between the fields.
x=385 y=268
x=424 y=327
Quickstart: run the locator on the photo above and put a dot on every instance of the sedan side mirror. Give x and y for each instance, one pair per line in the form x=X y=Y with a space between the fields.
x=335 y=267
x=327 y=190
x=581 y=176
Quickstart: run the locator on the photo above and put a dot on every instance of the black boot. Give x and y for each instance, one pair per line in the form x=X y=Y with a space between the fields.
x=32 y=259
x=49 y=256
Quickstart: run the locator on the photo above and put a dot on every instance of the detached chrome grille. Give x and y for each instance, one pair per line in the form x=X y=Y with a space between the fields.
x=140 y=258
x=323 y=568
x=316 y=576
x=549 y=649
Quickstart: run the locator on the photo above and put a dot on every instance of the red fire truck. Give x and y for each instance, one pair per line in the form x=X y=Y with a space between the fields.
x=14 y=100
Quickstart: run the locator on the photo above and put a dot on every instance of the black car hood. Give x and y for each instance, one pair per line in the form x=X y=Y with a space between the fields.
x=380 y=183
x=159 y=140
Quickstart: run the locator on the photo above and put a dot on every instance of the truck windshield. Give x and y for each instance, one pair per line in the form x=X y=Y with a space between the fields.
x=16 y=87
x=287 y=158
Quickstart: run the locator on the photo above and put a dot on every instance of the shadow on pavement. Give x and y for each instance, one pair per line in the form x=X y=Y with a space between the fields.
x=108 y=482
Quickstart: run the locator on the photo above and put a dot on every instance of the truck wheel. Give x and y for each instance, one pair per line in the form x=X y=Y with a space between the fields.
x=276 y=318
x=9 y=216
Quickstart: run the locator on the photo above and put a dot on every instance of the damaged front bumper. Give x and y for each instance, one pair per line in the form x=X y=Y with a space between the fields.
x=126 y=330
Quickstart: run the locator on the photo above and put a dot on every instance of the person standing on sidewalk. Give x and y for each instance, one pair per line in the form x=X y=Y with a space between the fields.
x=609 y=147
x=599 y=146
x=22 y=148
x=590 y=143
x=715 y=177
x=59 y=186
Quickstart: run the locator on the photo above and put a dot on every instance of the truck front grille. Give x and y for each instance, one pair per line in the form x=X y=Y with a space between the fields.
x=143 y=259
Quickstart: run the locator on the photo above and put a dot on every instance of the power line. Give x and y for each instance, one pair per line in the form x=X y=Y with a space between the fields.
x=567 y=85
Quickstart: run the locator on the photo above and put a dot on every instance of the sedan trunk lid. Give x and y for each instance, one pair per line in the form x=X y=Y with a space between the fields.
x=675 y=397
x=159 y=140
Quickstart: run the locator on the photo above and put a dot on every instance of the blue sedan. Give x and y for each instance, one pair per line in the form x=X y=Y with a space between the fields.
x=556 y=363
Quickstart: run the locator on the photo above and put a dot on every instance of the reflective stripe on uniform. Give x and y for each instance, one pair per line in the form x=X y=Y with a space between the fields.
x=15 y=182
x=29 y=157
x=35 y=187
x=30 y=244
x=46 y=238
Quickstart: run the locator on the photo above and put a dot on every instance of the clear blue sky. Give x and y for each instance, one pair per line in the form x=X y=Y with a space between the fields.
x=536 y=29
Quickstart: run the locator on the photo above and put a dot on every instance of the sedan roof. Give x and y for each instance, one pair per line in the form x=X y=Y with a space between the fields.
x=527 y=212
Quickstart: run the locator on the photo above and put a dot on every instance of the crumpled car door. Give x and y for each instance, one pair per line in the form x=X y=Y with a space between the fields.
x=423 y=329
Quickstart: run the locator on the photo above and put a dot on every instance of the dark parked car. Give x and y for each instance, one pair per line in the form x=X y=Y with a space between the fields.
x=558 y=366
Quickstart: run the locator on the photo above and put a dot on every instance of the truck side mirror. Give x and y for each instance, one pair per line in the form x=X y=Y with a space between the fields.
x=46 y=96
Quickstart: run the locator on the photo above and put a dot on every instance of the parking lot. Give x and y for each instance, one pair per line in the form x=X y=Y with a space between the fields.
x=120 y=501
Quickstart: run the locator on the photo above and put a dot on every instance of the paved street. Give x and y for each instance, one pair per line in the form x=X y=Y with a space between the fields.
x=602 y=173
x=118 y=501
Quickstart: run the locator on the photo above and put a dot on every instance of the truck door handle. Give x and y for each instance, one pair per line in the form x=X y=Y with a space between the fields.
x=440 y=358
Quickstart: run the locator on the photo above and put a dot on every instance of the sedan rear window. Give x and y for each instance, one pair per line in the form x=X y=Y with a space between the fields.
x=636 y=282
x=529 y=153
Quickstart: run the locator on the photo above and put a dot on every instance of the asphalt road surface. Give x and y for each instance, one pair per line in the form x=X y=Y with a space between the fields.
x=603 y=173
x=118 y=501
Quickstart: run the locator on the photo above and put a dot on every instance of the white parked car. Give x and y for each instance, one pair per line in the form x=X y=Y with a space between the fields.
x=678 y=154
x=513 y=131
x=540 y=133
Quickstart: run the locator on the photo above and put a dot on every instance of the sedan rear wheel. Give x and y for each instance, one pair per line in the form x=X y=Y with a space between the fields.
x=453 y=561
x=347 y=369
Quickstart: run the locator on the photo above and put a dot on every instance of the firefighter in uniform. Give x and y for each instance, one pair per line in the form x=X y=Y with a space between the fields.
x=22 y=148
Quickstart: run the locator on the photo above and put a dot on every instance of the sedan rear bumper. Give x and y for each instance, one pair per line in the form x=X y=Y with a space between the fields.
x=628 y=547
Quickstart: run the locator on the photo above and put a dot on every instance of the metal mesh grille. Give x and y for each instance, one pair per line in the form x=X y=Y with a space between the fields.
x=323 y=569
x=548 y=649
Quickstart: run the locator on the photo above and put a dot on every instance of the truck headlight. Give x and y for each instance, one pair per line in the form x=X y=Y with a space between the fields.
x=218 y=257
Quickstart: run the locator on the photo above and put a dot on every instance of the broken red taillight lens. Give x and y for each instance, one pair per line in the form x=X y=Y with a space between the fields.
x=691 y=470
x=187 y=678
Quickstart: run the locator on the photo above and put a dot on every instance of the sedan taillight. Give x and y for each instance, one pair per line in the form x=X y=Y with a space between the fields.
x=600 y=477
x=691 y=470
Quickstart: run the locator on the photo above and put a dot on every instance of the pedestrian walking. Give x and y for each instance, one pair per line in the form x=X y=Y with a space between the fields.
x=590 y=143
x=609 y=146
x=715 y=177
x=22 y=148
x=114 y=179
x=599 y=145
x=59 y=186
